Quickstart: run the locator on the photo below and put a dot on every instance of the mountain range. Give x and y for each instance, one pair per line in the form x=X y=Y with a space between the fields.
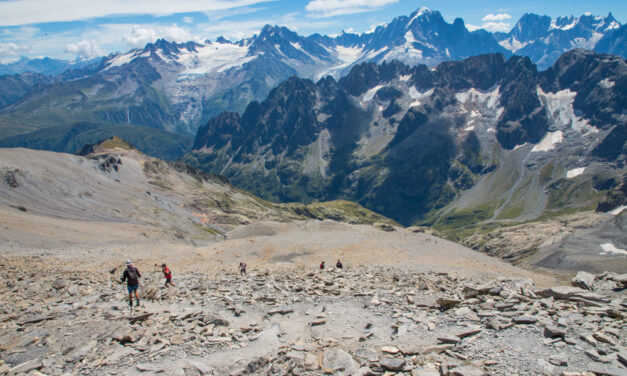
x=483 y=140
x=176 y=87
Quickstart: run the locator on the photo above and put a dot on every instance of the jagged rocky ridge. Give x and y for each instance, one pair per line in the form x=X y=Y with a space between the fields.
x=480 y=139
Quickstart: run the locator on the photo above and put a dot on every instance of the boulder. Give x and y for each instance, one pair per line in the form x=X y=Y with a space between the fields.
x=466 y=371
x=338 y=359
x=446 y=303
x=426 y=370
x=551 y=331
x=368 y=354
x=59 y=284
x=392 y=364
x=583 y=280
x=525 y=319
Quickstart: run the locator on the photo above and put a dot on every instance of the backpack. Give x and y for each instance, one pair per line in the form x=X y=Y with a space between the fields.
x=131 y=274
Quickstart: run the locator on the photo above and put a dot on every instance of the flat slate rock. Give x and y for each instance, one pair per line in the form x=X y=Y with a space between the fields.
x=525 y=319
x=392 y=364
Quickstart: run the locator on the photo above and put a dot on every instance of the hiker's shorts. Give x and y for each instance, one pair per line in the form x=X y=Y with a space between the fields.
x=132 y=288
x=168 y=280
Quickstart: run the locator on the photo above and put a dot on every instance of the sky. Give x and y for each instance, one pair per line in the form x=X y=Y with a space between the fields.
x=83 y=29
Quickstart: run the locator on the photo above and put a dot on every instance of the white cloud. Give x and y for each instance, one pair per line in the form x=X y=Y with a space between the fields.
x=11 y=52
x=84 y=49
x=140 y=35
x=496 y=26
x=330 y=8
x=237 y=30
x=22 y=12
x=188 y=19
x=493 y=22
x=496 y=17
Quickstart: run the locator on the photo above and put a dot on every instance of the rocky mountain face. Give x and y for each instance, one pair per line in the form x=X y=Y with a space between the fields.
x=177 y=87
x=480 y=140
x=543 y=39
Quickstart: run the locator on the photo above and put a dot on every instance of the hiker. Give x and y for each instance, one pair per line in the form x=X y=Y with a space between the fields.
x=338 y=264
x=131 y=275
x=167 y=273
x=322 y=265
x=242 y=268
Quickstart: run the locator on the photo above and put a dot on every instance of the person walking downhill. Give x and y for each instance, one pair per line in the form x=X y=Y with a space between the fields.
x=242 y=268
x=167 y=273
x=131 y=275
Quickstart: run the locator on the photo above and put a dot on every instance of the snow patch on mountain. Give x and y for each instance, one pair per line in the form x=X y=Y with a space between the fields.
x=575 y=172
x=120 y=60
x=559 y=108
x=513 y=44
x=550 y=140
x=418 y=96
x=213 y=57
x=345 y=56
x=607 y=83
x=611 y=249
x=489 y=99
x=370 y=93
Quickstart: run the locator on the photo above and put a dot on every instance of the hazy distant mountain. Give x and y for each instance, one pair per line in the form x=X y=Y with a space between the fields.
x=45 y=66
x=544 y=39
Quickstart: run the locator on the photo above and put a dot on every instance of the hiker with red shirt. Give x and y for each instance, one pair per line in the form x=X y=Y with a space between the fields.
x=167 y=273
x=131 y=275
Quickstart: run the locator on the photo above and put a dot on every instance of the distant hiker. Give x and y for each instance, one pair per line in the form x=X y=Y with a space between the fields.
x=322 y=265
x=242 y=268
x=338 y=264
x=167 y=273
x=131 y=275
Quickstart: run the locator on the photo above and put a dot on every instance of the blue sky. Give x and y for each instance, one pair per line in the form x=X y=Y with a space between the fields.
x=71 y=29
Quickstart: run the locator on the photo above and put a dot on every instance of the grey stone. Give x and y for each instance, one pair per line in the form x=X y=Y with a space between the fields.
x=551 y=331
x=467 y=332
x=426 y=371
x=558 y=360
x=525 y=319
x=392 y=364
x=364 y=371
x=594 y=355
x=59 y=284
x=336 y=358
x=448 y=339
x=26 y=367
x=601 y=337
x=622 y=357
x=298 y=355
x=583 y=280
x=446 y=303
x=366 y=353
x=466 y=371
